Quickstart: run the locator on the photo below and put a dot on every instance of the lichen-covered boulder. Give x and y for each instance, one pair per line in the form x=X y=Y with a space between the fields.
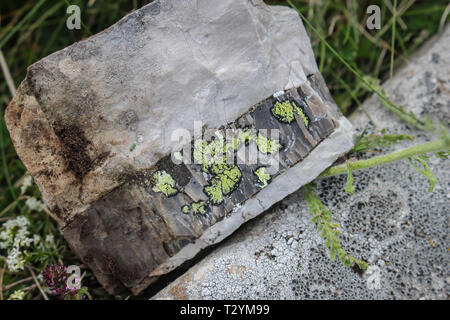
x=391 y=221
x=95 y=123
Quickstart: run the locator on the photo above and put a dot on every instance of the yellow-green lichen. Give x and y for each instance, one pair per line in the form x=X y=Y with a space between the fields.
x=302 y=114
x=229 y=176
x=212 y=157
x=199 y=207
x=214 y=191
x=225 y=181
x=164 y=183
x=210 y=153
x=266 y=145
x=263 y=176
x=186 y=209
x=245 y=136
x=284 y=112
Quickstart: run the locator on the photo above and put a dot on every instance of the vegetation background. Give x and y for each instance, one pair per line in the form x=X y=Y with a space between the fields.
x=31 y=30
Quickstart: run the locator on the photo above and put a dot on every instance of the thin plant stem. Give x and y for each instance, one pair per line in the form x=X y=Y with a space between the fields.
x=355 y=98
x=2 y=272
x=441 y=144
x=4 y=164
x=12 y=204
x=19 y=25
x=394 y=20
x=37 y=283
x=7 y=74
x=12 y=285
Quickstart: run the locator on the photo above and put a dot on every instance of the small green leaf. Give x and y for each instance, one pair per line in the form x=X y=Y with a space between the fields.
x=349 y=187
x=361 y=264
x=329 y=230
x=426 y=171
x=369 y=142
x=442 y=155
x=82 y=292
x=428 y=124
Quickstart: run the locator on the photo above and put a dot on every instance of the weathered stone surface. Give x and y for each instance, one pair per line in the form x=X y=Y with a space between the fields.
x=93 y=123
x=392 y=221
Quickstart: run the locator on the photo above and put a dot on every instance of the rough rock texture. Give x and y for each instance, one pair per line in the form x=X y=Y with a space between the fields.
x=93 y=124
x=392 y=221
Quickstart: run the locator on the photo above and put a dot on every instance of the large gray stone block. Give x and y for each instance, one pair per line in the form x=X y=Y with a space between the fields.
x=93 y=125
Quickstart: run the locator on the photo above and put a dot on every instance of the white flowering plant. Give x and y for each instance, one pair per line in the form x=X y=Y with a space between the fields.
x=15 y=239
x=17 y=295
x=29 y=238
x=32 y=248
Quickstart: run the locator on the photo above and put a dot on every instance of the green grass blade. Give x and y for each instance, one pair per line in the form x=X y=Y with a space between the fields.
x=19 y=25
x=394 y=22
x=400 y=112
